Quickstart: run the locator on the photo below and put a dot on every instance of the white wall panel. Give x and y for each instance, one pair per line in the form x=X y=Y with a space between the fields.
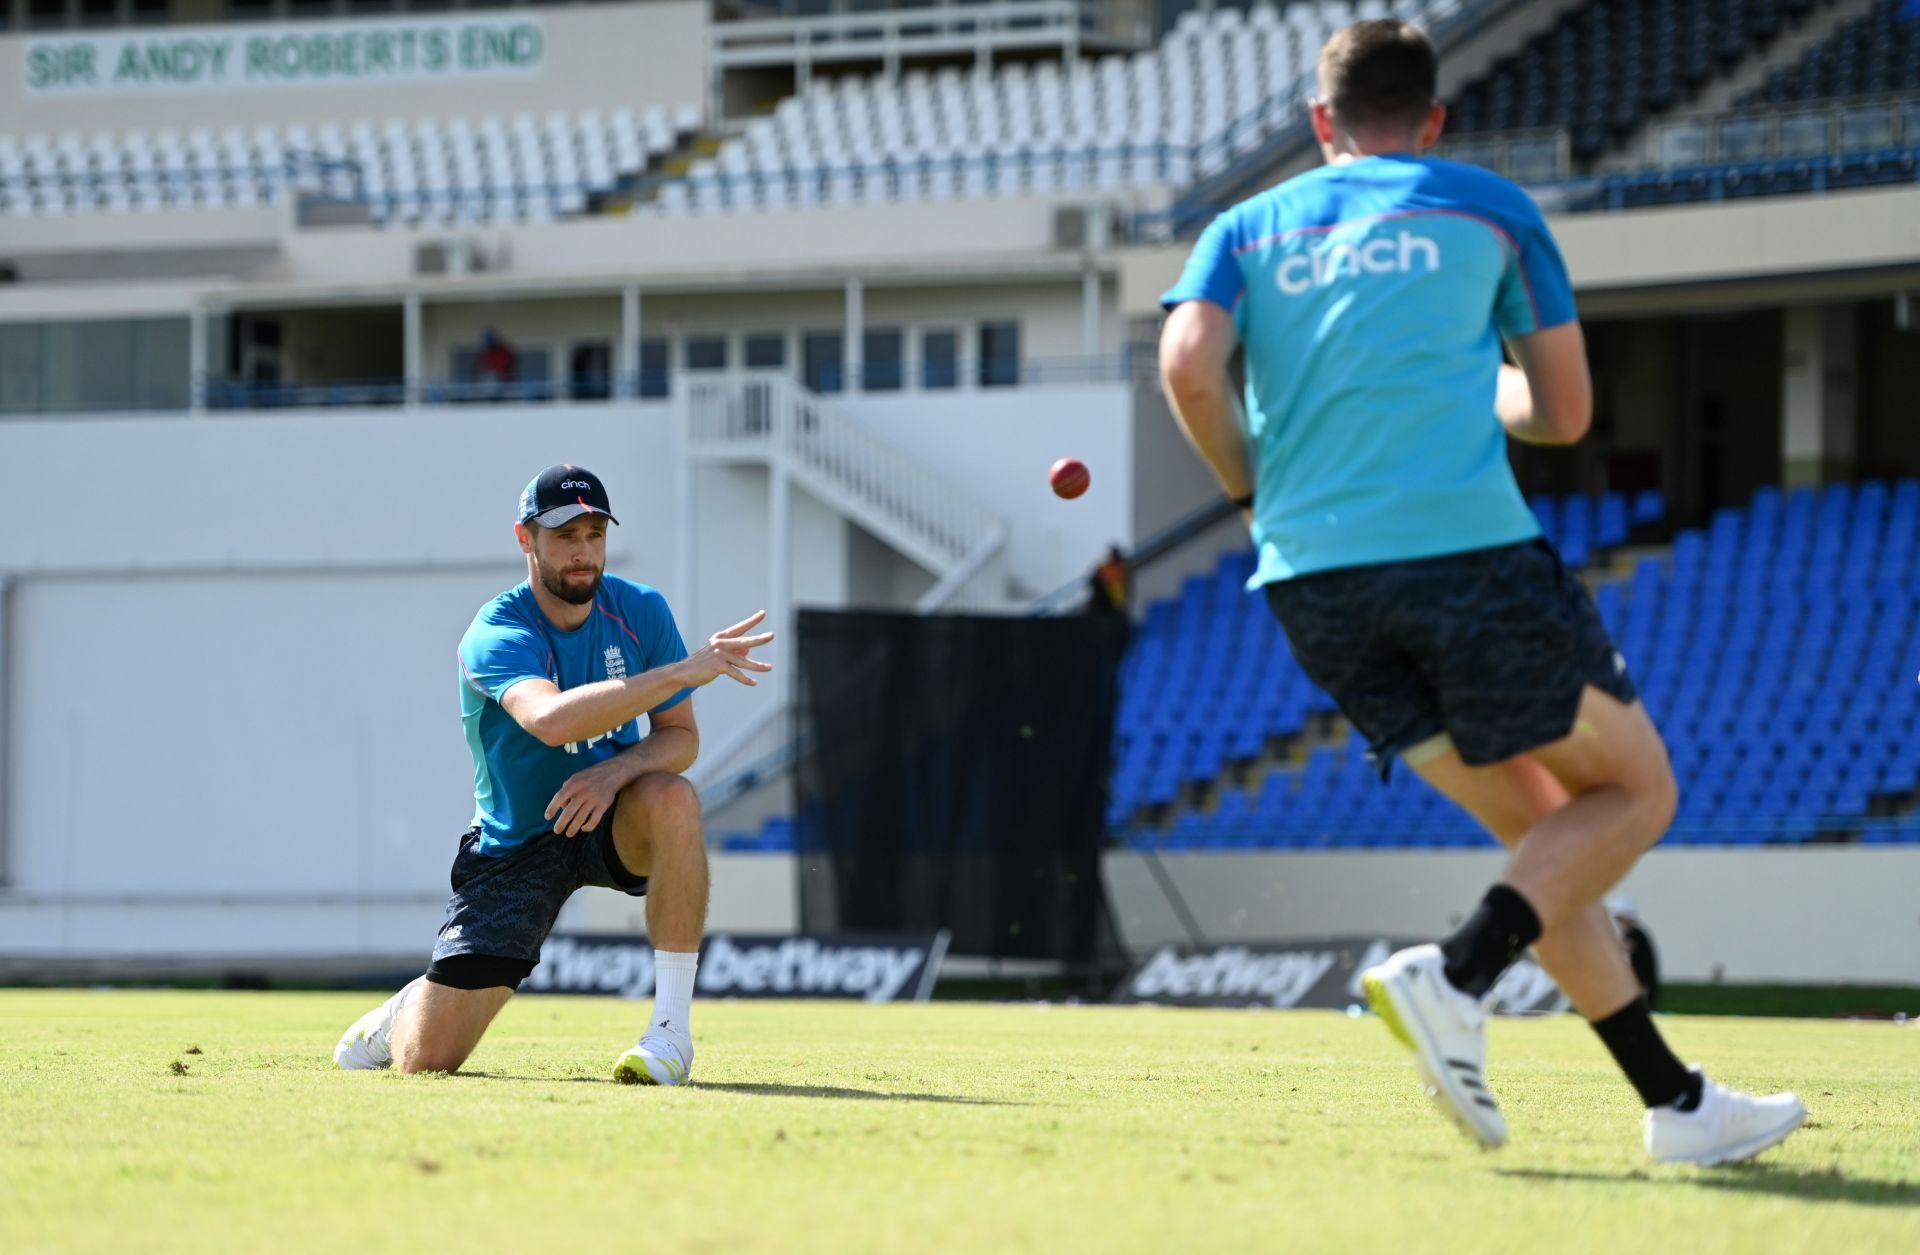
x=341 y=486
x=601 y=56
x=294 y=734
x=998 y=445
x=1816 y=914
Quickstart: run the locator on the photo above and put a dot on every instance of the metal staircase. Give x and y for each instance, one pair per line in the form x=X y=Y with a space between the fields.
x=800 y=438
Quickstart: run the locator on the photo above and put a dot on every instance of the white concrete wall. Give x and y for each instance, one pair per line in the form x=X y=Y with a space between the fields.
x=1841 y=915
x=600 y=56
x=230 y=712
x=229 y=703
x=999 y=443
x=326 y=489
x=752 y=893
x=980 y=242
x=865 y=238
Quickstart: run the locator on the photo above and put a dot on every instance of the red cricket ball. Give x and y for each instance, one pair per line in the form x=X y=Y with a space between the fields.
x=1069 y=478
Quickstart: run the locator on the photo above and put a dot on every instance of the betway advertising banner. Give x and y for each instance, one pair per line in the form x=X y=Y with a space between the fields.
x=1320 y=973
x=284 y=55
x=875 y=968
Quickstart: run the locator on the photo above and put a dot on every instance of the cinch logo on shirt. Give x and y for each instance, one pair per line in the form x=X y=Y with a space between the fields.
x=1302 y=272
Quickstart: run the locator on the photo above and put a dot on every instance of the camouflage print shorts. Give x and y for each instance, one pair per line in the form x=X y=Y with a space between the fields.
x=1492 y=647
x=505 y=906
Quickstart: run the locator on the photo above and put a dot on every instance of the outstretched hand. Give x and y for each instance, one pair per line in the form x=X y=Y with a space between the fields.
x=728 y=652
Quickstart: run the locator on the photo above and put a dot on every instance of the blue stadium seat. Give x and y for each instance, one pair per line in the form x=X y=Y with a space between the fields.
x=1747 y=642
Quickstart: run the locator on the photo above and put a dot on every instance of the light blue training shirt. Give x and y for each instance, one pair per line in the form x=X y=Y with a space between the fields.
x=515 y=774
x=1370 y=299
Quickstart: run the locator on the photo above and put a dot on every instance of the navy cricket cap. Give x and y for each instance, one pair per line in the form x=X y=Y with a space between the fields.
x=562 y=493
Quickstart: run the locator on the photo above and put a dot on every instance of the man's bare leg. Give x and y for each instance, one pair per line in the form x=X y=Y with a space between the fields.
x=1582 y=954
x=440 y=1026
x=425 y=1027
x=1525 y=804
x=657 y=834
x=1621 y=797
x=1577 y=814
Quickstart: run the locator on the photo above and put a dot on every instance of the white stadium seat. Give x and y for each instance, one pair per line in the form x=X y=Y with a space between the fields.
x=1216 y=86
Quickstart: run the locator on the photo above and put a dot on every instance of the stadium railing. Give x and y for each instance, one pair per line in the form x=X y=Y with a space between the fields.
x=1134 y=363
x=1798 y=150
x=1800 y=129
x=887 y=34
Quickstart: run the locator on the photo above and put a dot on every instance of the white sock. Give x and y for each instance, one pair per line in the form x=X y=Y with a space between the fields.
x=673 y=989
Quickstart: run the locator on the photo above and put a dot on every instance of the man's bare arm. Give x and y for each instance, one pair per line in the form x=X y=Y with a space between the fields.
x=1548 y=398
x=559 y=717
x=1195 y=346
x=671 y=744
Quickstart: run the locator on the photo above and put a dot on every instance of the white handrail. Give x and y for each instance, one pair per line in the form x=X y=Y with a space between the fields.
x=888 y=32
x=907 y=503
x=901 y=500
x=947 y=593
x=761 y=735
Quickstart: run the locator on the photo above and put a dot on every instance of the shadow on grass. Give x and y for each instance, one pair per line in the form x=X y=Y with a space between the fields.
x=1820 y=1185
x=555 y=1080
x=768 y=1090
x=764 y=1089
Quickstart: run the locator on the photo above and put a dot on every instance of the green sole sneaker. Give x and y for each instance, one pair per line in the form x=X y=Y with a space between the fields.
x=643 y=1066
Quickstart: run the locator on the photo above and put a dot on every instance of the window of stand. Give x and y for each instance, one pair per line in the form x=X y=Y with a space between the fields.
x=939 y=359
x=882 y=360
x=999 y=355
x=764 y=350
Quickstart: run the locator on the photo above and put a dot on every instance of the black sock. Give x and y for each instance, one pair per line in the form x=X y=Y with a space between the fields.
x=1636 y=1045
x=1486 y=945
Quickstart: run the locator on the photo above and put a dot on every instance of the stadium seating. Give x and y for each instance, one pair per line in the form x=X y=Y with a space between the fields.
x=1608 y=65
x=1217 y=85
x=1776 y=648
x=1874 y=55
x=496 y=169
x=775 y=837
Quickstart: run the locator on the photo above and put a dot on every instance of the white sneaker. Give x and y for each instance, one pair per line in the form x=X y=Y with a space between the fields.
x=366 y=1044
x=664 y=1056
x=1447 y=1032
x=1727 y=1127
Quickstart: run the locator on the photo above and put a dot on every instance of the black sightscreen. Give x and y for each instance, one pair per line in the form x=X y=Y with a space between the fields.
x=953 y=774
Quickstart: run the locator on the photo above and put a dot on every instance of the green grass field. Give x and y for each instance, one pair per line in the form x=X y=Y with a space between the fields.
x=834 y=1127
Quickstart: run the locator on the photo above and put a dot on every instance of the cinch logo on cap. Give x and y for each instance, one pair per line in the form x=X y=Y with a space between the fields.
x=1322 y=267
